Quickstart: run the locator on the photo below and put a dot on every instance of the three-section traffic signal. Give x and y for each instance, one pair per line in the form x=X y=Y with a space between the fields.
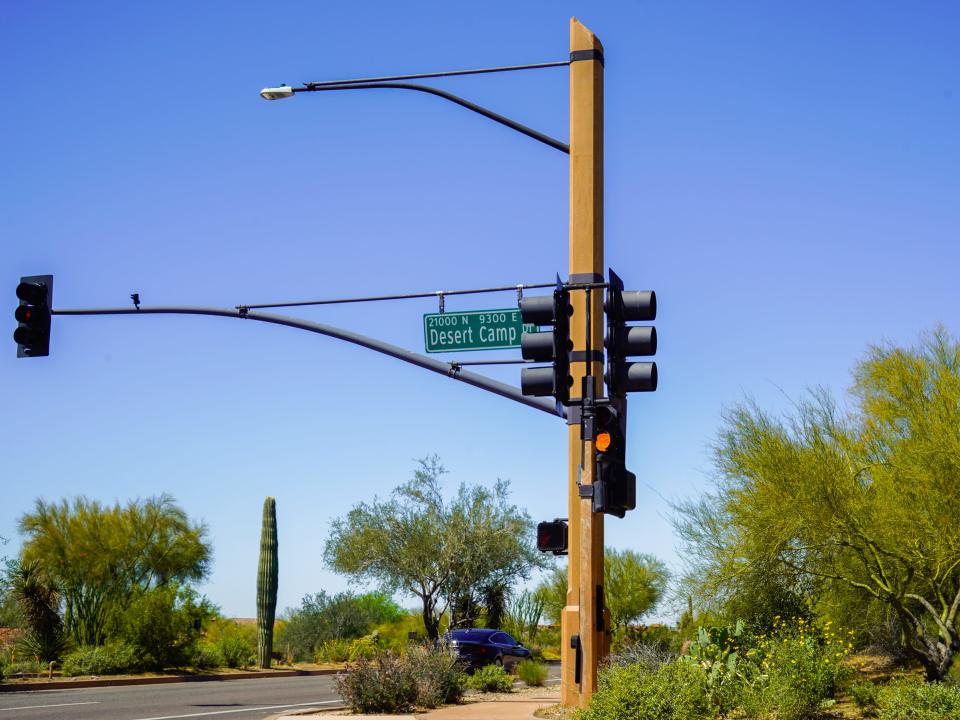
x=624 y=341
x=552 y=345
x=33 y=333
x=614 y=487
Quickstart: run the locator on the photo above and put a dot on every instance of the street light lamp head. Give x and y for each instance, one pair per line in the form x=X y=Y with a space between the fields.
x=276 y=93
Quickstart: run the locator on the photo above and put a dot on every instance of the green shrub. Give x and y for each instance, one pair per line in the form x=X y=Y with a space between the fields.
x=236 y=651
x=24 y=667
x=333 y=651
x=803 y=669
x=343 y=616
x=164 y=623
x=490 y=678
x=110 y=659
x=913 y=699
x=790 y=675
x=438 y=675
x=395 y=635
x=864 y=694
x=548 y=642
x=383 y=685
x=207 y=656
x=675 y=691
x=532 y=673
x=235 y=643
x=367 y=647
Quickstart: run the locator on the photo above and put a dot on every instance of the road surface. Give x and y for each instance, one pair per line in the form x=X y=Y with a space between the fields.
x=240 y=699
x=226 y=699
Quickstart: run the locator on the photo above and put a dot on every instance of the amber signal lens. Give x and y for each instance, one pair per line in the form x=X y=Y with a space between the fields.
x=603 y=441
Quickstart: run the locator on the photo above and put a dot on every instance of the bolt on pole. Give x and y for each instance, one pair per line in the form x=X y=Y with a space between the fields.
x=584 y=623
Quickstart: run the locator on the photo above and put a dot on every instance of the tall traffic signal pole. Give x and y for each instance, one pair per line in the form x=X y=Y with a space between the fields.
x=583 y=626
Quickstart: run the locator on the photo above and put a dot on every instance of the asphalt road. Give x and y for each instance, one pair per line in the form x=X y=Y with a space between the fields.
x=229 y=699
x=239 y=699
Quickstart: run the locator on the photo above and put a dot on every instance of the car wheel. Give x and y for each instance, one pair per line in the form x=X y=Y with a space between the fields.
x=498 y=662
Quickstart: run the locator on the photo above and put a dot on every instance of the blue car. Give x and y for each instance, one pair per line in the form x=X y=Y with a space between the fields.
x=483 y=646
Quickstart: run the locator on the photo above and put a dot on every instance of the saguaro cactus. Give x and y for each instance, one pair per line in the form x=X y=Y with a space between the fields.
x=267 y=583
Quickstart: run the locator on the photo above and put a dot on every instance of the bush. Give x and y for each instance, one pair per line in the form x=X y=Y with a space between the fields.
x=24 y=667
x=438 y=675
x=236 y=651
x=207 y=656
x=652 y=656
x=110 y=659
x=384 y=685
x=334 y=651
x=344 y=616
x=392 y=683
x=395 y=635
x=913 y=699
x=235 y=643
x=164 y=623
x=803 y=669
x=490 y=678
x=367 y=647
x=532 y=673
x=548 y=642
x=675 y=691
x=864 y=695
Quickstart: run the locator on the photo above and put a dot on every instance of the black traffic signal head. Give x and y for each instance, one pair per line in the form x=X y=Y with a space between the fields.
x=624 y=341
x=614 y=487
x=552 y=537
x=32 y=336
x=550 y=345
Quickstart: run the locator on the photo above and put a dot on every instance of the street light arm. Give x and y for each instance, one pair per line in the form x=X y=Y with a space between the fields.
x=479 y=109
x=428 y=363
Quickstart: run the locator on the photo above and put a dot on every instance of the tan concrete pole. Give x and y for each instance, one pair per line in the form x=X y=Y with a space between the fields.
x=585 y=566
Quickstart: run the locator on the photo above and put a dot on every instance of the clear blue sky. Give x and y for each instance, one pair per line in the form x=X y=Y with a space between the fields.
x=786 y=176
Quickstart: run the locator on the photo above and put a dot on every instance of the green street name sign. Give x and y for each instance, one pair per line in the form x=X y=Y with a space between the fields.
x=473 y=330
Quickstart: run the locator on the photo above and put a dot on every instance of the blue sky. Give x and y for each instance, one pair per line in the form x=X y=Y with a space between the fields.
x=785 y=176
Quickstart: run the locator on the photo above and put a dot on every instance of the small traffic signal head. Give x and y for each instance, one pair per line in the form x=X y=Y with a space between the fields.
x=32 y=336
x=552 y=537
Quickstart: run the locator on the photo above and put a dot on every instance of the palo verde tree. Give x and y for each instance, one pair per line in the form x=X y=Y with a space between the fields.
x=863 y=502
x=267 y=583
x=100 y=557
x=418 y=542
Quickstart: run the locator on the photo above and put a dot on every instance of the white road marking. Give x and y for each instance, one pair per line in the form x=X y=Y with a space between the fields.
x=241 y=710
x=36 y=707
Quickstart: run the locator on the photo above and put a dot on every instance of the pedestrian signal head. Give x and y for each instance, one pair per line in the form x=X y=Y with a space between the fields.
x=552 y=537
